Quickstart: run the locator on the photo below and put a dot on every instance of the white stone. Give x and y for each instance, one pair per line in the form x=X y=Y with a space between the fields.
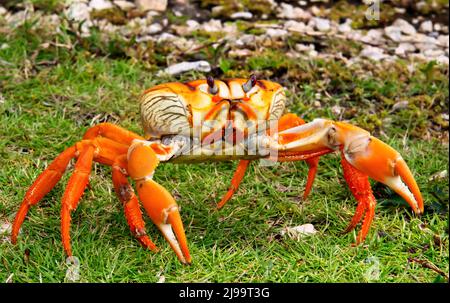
x=78 y=11
x=241 y=15
x=373 y=36
x=297 y=232
x=201 y=66
x=442 y=59
x=287 y=11
x=193 y=24
x=322 y=24
x=394 y=33
x=295 y=26
x=374 y=53
x=443 y=40
x=304 y=47
x=426 y=26
x=164 y=37
x=240 y=53
x=245 y=40
x=124 y=5
x=152 y=5
x=153 y=29
x=437 y=27
x=276 y=33
x=405 y=27
x=212 y=25
x=345 y=27
x=100 y=4
x=400 y=105
x=403 y=48
x=2 y=10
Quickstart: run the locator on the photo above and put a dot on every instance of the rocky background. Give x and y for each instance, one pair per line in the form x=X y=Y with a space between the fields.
x=321 y=50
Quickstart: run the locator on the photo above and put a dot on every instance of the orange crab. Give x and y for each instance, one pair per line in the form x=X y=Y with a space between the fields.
x=234 y=119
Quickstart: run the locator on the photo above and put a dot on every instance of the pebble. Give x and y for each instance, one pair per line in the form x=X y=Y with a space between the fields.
x=322 y=24
x=295 y=26
x=345 y=27
x=426 y=26
x=405 y=27
x=287 y=11
x=374 y=53
x=201 y=66
x=299 y=231
x=124 y=5
x=394 y=33
x=154 y=5
x=78 y=11
x=100 y=4
x=276 y=33
x=3 y=10
x=153 y=29
x=241 y=15
x=403 y=48
x=212 y=25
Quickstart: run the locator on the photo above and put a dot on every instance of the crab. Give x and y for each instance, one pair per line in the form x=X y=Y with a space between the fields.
x=216 y=120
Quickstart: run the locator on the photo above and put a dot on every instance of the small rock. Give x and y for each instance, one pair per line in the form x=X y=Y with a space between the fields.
x=405 y=27
x=304 y=48
x=153 y=5
x=240 y=53
x=153 y=29
x=241 y=15
x=393 y=33
x=78 y=11
x=276 y=33
x=100 y=4
x=400 y=105
x=297 y=232
x=337 y=110
x=317 y=104
x=439 y=176
x=443 y=40
x=443 y=59
x=426 y=26
x=437 y=27
x=373 y=36
x=166 y=37
x=403 y=48
x=201 y=66
x=287 y=11
x=345 y=27
x=322 y=24
x=212 y=25
x=246 y=40
x=374 y=53
x=124 y=5
x=295 y=26
x=2 y=10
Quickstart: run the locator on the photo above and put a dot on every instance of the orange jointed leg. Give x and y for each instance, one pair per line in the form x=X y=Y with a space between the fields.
x=359 y=185
x=74 y=190
x=312 y=164
x=41 y=186
x=237 y=179
x=157 y=201
x=112 y=132
x=130 y=203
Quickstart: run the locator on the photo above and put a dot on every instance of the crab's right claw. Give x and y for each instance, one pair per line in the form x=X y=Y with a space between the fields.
x=380 y=162
x=163 y=211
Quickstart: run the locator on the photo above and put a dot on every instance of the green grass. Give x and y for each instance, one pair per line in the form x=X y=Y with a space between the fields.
x=47 y=107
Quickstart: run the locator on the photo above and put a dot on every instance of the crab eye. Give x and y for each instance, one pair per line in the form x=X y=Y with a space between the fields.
x=213 y=89
x=247 y=86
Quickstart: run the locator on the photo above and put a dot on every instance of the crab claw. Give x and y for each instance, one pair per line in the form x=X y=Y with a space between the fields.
x=379 y=161
x=164 y=212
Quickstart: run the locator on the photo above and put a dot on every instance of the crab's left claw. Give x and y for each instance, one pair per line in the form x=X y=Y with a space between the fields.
x=157 y=201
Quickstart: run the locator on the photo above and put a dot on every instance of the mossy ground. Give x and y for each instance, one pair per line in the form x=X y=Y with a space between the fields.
x=50 y=95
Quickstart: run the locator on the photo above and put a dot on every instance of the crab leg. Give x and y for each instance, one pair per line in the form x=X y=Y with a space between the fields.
x=43 y=184
x=74 y=190
x=237 y=179
x=113 y=132
x=157 y=201
x=359 y=185
x=130 y=202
